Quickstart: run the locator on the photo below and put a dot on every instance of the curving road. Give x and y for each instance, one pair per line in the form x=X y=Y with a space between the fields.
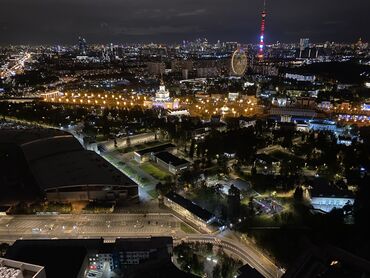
x=246 y=253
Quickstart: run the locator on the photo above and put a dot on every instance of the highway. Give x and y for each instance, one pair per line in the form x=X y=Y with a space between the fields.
x=88 y=225
x=112 y=226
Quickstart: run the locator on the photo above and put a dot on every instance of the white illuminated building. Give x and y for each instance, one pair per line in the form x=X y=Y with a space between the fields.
x=162 y=99
x=328 y=203
x=162 y=94
x=327 y=198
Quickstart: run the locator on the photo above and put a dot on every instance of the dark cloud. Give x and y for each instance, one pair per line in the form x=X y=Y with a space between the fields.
x=120 y=21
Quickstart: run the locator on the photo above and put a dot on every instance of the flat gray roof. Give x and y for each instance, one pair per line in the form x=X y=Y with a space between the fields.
x=50 y=146
x=22 y=136
x=57 y=159
x=169 y=158
x=77 y=168
x=156 y=149
x=200 y=212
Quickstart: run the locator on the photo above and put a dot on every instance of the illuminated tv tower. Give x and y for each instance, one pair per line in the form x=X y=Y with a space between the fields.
x=262 y=37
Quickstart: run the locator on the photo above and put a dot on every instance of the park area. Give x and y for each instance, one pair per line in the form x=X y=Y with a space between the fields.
x=155 y=171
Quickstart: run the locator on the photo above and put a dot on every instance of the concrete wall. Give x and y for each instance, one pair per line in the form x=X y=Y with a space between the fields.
x=125 y=193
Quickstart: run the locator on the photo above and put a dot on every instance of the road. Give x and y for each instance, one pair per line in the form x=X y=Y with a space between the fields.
x=16 y=68
x=89 y=225
x=112 y=226
x=245 y=252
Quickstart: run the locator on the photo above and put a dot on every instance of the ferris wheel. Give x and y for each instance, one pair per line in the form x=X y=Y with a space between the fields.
x=239 y=62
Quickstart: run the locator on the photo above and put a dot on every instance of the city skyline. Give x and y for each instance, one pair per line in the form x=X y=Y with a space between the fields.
x=184 y=138
x=61 y=21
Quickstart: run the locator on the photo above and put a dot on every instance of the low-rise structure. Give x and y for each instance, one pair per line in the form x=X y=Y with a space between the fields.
x=64 y=171
x=77 y=258
x=171 y=162
x=300 y=77
x=267 y=165
x=147 y=154
x=16 y=269
x=190 y=211
x=326 y=198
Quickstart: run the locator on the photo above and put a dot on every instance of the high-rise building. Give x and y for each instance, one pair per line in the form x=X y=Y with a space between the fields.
x=304 y=43
x=156 y=68
x=82 y=46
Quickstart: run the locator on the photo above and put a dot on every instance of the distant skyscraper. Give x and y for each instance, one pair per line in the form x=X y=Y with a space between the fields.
x=262 y=36
x=304 y=43
x=82 y=45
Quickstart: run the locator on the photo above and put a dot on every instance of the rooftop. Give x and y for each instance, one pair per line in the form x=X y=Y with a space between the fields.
x=23 y=136
x=76 y=168
x=200 y=212
x=156 y=149
x=267 y=158
x=321 y=188
x=65 y=257
x=169 y=158
x=16 y=269
x=61 y=258
x=57 y=159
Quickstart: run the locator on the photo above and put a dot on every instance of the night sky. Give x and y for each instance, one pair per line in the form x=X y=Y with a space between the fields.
x=126 y=21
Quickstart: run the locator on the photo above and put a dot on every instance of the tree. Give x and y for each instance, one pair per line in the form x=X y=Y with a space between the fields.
x=189 y=177
x=184 y=255
x=251 y=208
x=163 y=188
x=128 y=141
x=362 y=205
x=3 y=248
x=197 y=264
x=233 y=200
x=216 y=273
x=337 y=215
x=253 y=171
x=298 y=193
x=288 y=140
x=192 y=148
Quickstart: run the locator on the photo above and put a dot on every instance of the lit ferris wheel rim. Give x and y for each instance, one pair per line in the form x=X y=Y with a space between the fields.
x=239 y=62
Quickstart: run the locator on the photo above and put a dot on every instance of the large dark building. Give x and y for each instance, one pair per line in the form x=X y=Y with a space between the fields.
x=57 y=164
x=135 y=257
